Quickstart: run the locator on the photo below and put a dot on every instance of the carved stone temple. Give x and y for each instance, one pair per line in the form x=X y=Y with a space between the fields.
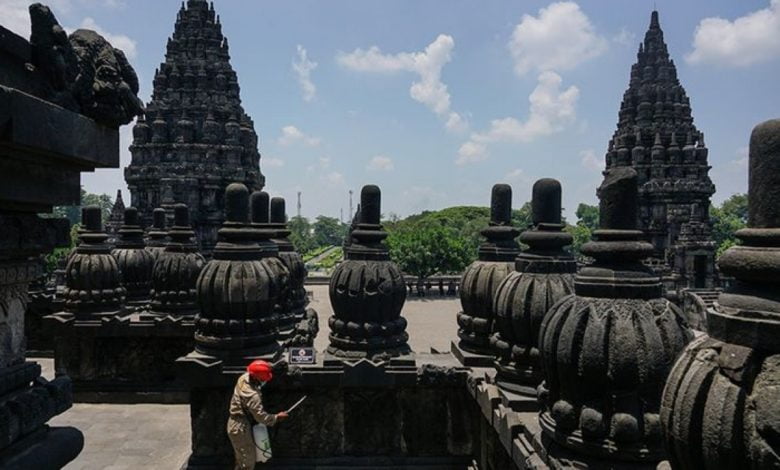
x=481 y=279
x=657 y=137
x=720 y=405
x=62 y=99
x=195 y=137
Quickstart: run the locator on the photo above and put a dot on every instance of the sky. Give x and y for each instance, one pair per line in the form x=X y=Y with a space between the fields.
x=437 y=100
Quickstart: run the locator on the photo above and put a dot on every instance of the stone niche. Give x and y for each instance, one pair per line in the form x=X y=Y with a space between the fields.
x=49 y=133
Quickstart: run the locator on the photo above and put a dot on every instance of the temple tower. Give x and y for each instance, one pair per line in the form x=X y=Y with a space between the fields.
x=656 y=136
x=195 y=138
x=115 y=218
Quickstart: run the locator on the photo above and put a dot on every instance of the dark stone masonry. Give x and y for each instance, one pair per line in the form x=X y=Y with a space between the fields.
x=555 y=366
x=194 y=138
x=62 y=99
x=656 y=137
x=481 y=279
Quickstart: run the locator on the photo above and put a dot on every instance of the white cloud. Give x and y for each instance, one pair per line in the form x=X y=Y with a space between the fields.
x=292 y=135
x=747 y=40
x=380 y=163
x=119 y=41
x=743 y=157
x=429 y=89
x=624 y=37
x=419 y=198
x=550 y=111
x=303 y=68
x=333 y=179
x=272 y=162
x=560 y=38
x=590 y=161
x=515 y=175
x=471 y=152
x=16 y=17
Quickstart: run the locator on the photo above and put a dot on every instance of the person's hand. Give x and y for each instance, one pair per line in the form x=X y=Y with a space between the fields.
x=282 y=415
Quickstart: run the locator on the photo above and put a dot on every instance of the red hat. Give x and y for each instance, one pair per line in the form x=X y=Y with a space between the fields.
x=260 y=370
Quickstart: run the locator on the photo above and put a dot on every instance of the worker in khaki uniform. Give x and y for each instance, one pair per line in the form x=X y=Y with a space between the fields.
x=246 y=410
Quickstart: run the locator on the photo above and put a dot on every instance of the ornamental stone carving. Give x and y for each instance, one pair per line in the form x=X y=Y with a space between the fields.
x=176 y=270
x=608 y=348
x=481 y=279
x=544 y=273
x=135 y=263
x=158 y=235
x=367 y=292
x=240 y=288
x=261 y=222
x=721 y=404
x=93 y=287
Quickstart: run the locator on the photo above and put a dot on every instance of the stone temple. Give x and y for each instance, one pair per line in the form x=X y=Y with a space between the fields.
x=556 y=366
x=195 y=138
x=656 y=136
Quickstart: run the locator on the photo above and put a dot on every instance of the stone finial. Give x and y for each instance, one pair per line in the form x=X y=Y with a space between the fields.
x=501 y=204
x=546 y=202
x=135 y=263
x=93 y=281
x=764 y=184
x=720 y=405
x=91 y=219
x=260 y=207
x=481 y=279
x=295 y=299
x=278 y=211
x=237 y=203
x=370 y=203
x=594 y=343
x=238 y=315
x=544 y=274
x=158 y=234
x=367 y=321
x=618 y=197
x=176 y=270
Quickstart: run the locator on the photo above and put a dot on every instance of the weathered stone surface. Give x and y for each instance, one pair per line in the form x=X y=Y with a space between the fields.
x=481 y=279
x=367 y=292
x=93 y=288
x=135 y=263
x=720 y=405
x=544 y=273
x=176 y=270
x=261 y=223
x=657 y=137
x=607 y=349
x=85 y=73
x=240 y=288
x=158 y=235
x=195 y=138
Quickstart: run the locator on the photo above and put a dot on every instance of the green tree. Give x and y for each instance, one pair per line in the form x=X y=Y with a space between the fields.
x=727 y=219
x=300 y=234
x=425 y=249
x=588 y=216
x=73 y=213
x=328 y=231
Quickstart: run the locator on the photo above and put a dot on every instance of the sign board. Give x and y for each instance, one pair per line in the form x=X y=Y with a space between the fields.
x=301 y=355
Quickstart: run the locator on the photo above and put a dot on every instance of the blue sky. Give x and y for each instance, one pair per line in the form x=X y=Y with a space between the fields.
x=436 y=101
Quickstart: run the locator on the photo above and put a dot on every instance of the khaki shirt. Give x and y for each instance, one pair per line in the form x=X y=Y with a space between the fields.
x=247 y=401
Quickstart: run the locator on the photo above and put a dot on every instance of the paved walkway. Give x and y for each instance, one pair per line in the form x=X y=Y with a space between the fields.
x=129 y=437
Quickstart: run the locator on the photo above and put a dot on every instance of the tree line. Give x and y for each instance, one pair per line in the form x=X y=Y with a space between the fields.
x=436 y=242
